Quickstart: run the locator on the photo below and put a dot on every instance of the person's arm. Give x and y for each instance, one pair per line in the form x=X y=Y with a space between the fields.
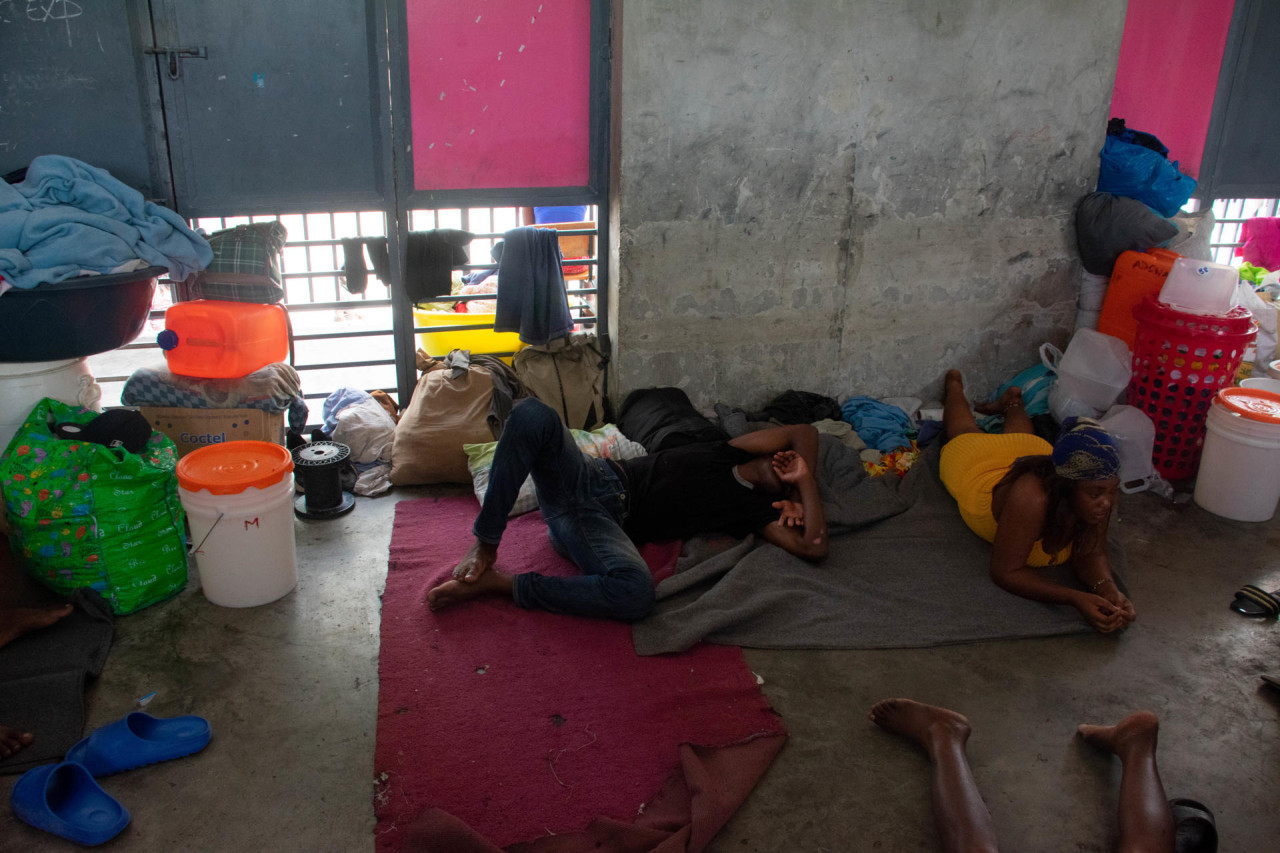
x=1094 y=571
x=1017 y=529
x=806 y=539
x=801 y=438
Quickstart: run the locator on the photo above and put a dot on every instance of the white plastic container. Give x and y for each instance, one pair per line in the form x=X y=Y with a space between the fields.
x=1200 y=287
x=1239 y=476
x=1092 y=373
x=1264 y=383
x=1093 y=291
x=23 y=384
x=1135 y=433
x=239 y=497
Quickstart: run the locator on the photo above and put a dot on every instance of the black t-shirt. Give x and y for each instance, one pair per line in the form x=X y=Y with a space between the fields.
x=684 y=491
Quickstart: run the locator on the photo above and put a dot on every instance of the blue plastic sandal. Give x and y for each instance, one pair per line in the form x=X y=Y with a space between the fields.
x=139 y=739
x=65 y=800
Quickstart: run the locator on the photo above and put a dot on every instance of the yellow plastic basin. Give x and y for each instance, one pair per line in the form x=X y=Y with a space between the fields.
x=479 y=341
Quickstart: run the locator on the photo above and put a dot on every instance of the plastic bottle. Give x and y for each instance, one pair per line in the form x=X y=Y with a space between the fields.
x=223 y=340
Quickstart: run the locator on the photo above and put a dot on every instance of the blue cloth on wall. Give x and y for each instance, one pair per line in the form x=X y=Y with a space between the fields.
x=531 y=297
x=880 y=425
x=68 y=217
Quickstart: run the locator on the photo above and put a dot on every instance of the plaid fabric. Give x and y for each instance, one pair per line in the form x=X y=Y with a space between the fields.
x=245 y=265
x=155 y=387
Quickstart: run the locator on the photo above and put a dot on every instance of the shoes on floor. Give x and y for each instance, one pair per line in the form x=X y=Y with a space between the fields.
x=1253 y=601
x=64 y=799
x=138 y=739
x=1194 y=829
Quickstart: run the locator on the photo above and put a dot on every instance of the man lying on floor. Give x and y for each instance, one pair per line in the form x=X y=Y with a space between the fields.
x=596 y=510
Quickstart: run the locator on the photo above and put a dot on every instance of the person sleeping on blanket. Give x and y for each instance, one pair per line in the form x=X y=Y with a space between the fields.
x=596 y=510
x=1038 y=504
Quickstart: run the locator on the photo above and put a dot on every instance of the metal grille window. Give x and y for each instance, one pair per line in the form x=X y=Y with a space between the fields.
x=343 y=339
x=1229 y=214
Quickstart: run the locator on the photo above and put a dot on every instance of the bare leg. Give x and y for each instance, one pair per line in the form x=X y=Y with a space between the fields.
x=957 y=419
x=1010 y=405
x=958 y=810
x=13 y=624
x=1146 y=822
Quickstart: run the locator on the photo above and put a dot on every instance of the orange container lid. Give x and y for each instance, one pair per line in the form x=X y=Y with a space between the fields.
x=1252 y=403
x=232 y=467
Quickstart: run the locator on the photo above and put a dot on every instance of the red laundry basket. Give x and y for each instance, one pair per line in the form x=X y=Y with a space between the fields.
x=1180 y=361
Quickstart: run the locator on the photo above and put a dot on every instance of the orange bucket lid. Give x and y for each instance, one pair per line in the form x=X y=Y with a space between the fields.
x=232 y=467
x=1252 y=403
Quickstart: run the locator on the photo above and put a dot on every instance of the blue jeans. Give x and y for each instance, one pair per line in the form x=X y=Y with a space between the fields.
x=584 y=505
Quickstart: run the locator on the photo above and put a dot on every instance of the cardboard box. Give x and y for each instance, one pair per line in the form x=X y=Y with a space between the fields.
x=194 y=428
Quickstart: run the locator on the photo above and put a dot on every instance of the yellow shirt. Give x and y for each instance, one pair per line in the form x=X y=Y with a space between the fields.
x=971 y=466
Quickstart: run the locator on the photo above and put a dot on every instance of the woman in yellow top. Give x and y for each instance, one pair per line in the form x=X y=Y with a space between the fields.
x=1038 y=504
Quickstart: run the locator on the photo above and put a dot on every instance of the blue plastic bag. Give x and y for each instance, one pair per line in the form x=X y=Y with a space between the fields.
x=1036 y=382
x=1134 y=171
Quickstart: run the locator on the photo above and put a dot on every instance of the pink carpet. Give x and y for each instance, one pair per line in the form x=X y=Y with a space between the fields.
x=521 y=725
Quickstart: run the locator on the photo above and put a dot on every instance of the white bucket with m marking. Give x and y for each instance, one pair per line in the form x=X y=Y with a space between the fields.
x=239 y=501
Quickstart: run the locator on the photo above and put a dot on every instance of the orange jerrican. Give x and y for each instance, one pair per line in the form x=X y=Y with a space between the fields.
x=232 y=467
x=1135 y=275
x=214 y=339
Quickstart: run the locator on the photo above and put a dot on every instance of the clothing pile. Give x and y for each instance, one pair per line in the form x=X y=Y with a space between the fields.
x=67 y=218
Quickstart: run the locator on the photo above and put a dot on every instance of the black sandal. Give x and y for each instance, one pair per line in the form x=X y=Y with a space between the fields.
x=1194 y=830
x=1255 y=602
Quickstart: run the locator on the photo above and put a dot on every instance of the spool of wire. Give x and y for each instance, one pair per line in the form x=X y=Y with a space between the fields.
x=317 y=467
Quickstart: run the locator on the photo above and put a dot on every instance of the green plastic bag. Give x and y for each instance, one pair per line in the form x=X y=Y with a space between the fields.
x=82 y=514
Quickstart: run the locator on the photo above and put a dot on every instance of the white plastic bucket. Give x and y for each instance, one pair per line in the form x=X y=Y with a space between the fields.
x=1239 y=476
x=242 y=535
x=23 y=384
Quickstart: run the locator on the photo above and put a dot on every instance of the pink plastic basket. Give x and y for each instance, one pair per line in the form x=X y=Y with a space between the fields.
x=1180 y=360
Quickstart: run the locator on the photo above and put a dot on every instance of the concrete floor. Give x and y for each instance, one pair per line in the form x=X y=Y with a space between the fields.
x=291 y=689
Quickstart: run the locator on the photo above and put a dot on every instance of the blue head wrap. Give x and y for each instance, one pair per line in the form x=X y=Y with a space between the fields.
x=1085 y=451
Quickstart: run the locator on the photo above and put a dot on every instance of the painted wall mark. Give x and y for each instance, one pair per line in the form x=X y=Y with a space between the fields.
x=1167 y=74
x=533 y=132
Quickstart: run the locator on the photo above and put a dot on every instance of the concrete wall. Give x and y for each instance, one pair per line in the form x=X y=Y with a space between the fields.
x=849 y=197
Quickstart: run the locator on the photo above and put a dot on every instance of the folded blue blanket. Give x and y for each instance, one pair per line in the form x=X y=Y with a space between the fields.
x=68 y=217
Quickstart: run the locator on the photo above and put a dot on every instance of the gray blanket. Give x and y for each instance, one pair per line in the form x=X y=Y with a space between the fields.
x=903 y=572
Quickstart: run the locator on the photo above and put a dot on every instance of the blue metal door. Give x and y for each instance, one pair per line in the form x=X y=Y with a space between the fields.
x=274 y=107
x=74 y=80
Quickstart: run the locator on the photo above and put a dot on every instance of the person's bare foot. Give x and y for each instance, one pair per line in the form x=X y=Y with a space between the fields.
x=927 y=725
x=478 y=560
x=1139 y=730
x=12 y=740
x=453 y=592
x=953 y=381
x=1012 y=397
x=15 y=623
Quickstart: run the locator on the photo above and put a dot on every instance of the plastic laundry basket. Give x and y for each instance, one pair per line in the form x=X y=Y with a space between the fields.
x=1180 y=360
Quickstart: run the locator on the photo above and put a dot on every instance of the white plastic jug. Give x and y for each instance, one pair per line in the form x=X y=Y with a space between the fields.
x=1092 y=374
x=1200 y=287
x=1135 y=433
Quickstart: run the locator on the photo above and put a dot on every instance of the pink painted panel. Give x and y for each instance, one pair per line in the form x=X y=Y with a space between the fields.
x=1167 y=75
x=499 y=93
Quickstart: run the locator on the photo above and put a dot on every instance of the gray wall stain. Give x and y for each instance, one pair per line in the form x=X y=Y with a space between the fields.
x=850 y=197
